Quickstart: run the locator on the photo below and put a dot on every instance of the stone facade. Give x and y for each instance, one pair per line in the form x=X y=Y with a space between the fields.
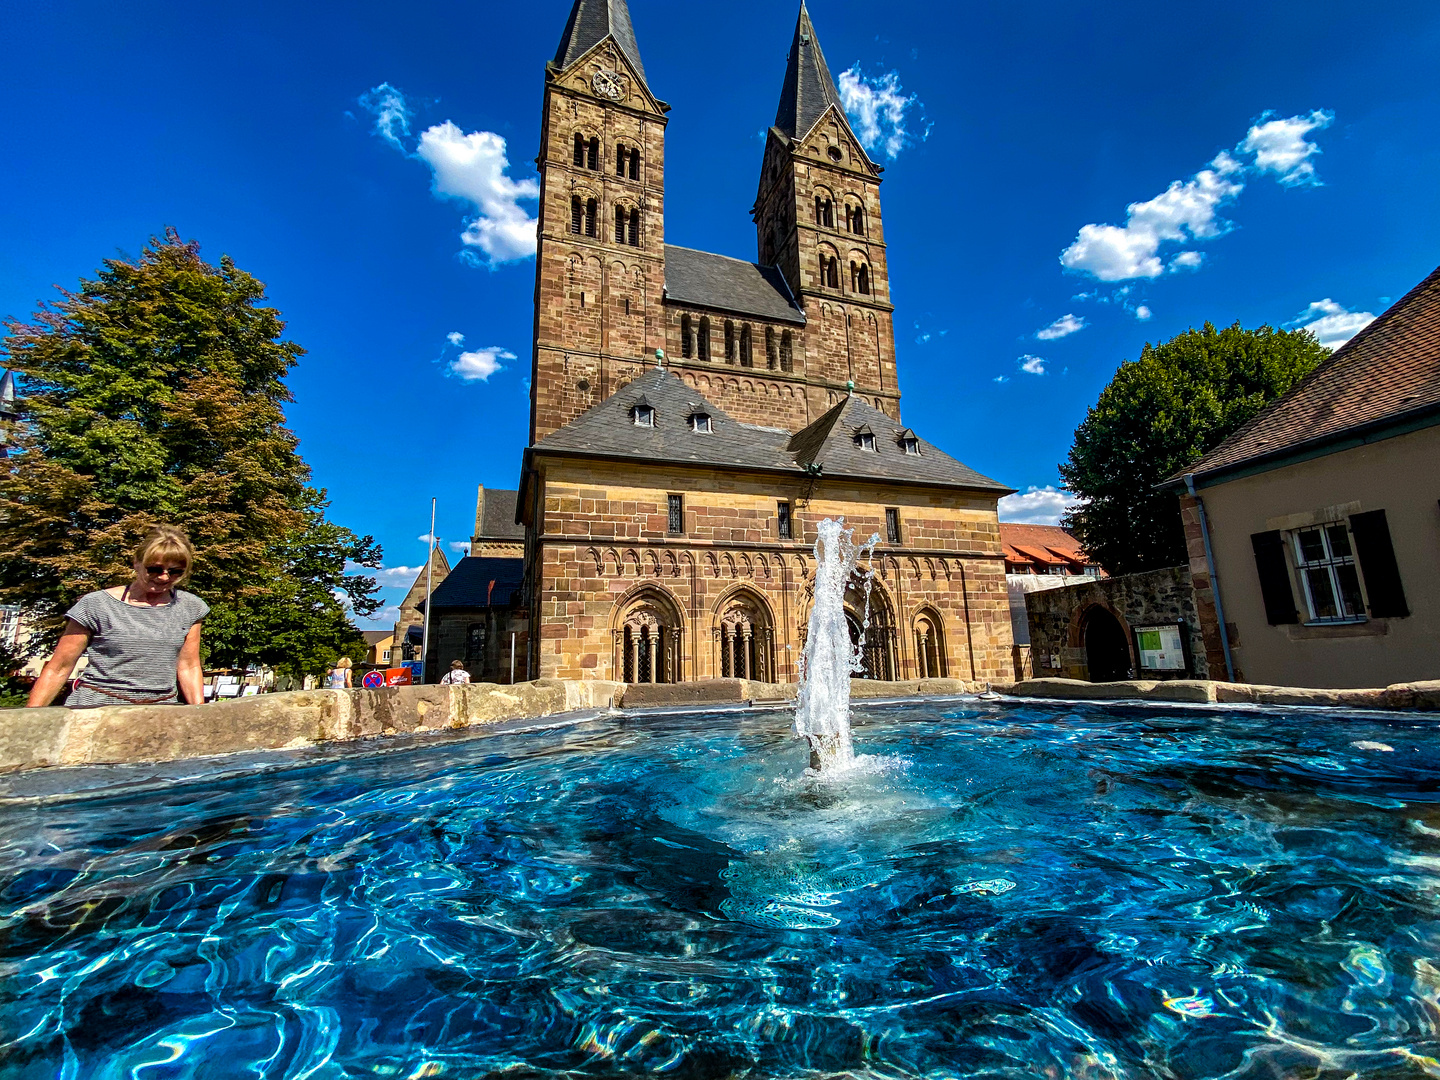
x=1062 y=620
x=728 y=597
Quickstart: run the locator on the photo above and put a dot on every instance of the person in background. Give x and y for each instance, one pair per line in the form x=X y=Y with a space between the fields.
x=142 y=639
x=456 y=676
x=339 y=678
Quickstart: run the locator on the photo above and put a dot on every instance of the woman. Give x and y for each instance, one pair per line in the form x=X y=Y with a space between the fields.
x=142 y=639
x=340 y=674
x=457 y=675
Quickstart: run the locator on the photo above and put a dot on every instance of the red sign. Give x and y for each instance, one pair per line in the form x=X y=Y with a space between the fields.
x=398 y=676
x=373 y=680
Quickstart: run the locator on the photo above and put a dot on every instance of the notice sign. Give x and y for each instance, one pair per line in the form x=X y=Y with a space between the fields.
x=1160 y=648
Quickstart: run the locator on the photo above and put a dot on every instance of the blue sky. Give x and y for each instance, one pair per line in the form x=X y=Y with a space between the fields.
x=1282 y=160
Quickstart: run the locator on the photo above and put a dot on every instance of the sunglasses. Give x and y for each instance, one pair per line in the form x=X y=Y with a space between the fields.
x=172 y=571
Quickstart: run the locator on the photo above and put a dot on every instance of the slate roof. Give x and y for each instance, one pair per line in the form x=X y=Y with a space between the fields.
x=374 y=637
x=498 y=519
x=607 y=430
x=468 y=585
x=1386 y=374
x=733 y=285
x=808 y=90
x=591 y=22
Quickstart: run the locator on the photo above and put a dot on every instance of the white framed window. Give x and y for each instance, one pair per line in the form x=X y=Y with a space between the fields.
x=9 y=625
x=865 y=441
x=644 y=416
x=1329 y=578
x=911 y=446
x=700 y=422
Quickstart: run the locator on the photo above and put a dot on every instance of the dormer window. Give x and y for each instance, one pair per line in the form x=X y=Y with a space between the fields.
x=700 y=423
x=642 y=414
x=865 y=438
x=909 y=444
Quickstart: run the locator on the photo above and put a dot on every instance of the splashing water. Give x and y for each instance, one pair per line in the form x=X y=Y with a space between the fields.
x=822 y=713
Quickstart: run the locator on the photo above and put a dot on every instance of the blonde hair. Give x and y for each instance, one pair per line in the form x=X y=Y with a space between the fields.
x=166 y=542
x=343 y=662
x=456 y=665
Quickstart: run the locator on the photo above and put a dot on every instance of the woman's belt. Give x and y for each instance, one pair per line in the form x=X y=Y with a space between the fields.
x=128 y=698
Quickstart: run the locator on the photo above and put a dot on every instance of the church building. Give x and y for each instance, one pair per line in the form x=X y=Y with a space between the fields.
x=695 y=416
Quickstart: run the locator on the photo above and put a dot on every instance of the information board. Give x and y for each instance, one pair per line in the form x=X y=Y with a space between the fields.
x=1160 y=647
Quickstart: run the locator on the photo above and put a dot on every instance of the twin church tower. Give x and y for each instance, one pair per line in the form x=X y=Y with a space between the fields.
x=777 y=341
x=694 y=417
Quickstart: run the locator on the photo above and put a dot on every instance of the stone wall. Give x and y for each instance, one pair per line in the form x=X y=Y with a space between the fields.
x=603 y=554
x=1058 y=619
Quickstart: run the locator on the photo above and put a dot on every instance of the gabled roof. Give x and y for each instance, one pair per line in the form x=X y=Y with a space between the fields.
x=808 y=90
x=497 y=519
x=1044 y=545
x=468 y=585
x=374 y=637
x=1385 y=376
x=591 y=22
x=606 y=430
x=728 y=285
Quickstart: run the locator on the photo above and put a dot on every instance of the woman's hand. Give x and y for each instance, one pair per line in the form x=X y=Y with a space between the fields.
x=56 y=673
x=188 y=672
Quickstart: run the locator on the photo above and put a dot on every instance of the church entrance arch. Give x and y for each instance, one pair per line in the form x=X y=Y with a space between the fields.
x=744 y=637
x=648 y=631
x=1107 y=647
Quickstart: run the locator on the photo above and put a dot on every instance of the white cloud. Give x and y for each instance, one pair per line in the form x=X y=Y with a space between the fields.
x=1189 y=210
x=1280 y=146
x=462 y=546
x=471 y=168
x=1032 y=365
x=479 y=365
x=923 y=339
x=1001 y=378
x=1333 y=324
x=425 y=538
x=383 y=619
x=1061 y=327
x=878 y=107
x=1037 y=506
x=392 y=114
x=455 y=338
x=1143 y=313
x=391 y=576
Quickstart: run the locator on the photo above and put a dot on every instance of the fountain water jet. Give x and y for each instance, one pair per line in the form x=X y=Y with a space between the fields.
x=822 y=713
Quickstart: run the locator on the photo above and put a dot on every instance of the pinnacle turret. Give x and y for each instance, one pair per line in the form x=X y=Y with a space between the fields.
x=591 y=22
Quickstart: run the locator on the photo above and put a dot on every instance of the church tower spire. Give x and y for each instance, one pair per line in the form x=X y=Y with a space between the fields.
x=600 y=262
x=591 y=22
x=817 y=218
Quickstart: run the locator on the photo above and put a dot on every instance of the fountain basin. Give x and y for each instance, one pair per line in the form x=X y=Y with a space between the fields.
x=1001 y=888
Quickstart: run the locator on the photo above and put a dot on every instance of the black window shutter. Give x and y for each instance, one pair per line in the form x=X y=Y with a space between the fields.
x=1274 y=578
x=1377 y=562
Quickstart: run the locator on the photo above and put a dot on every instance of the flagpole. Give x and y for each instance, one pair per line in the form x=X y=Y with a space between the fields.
x=429 y=572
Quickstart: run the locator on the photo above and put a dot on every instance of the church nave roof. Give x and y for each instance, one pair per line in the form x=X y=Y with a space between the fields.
x=729 y=285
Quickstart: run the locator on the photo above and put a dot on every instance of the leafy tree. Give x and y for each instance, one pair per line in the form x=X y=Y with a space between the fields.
x=155 y=394
x=1159 y=414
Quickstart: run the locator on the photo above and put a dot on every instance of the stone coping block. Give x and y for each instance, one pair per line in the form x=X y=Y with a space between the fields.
x=743 y=691
x=121 y=734
x=1421 y=696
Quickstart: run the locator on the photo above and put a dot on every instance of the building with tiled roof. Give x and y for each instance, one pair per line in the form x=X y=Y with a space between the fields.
x=695 y=416
x=1314 y=530
x=1044 y=549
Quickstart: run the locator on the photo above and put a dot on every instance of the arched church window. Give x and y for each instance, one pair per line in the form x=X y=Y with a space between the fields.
x=619 y=159
x=579 y=150
x=787 y=352
x=864 y=279
x=591 y=215
x=704 y=343
x=855 y=220
x=592 y=156
x=772 y=355
x=577 y=215
x=634 y=228
x=634 y=164
x=729 y=342
x=746 y=357
x=619 y=224
x=687 y=338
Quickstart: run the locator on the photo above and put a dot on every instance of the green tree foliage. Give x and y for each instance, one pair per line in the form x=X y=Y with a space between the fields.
x=1160 y=414
x=155 y=394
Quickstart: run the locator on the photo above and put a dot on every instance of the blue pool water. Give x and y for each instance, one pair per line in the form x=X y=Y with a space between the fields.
x=998 y=891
